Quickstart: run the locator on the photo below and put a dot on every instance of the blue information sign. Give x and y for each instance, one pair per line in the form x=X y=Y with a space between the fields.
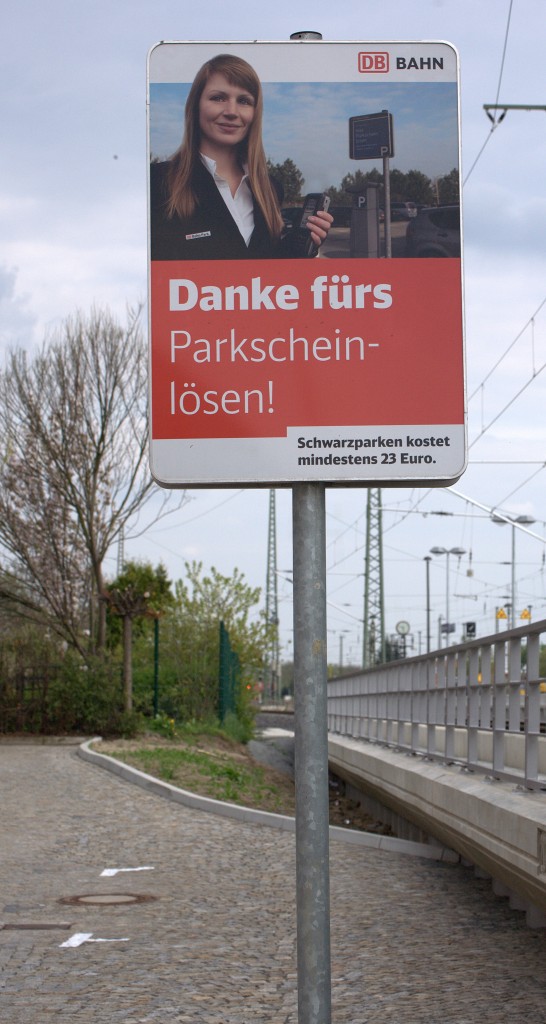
x=371 y=136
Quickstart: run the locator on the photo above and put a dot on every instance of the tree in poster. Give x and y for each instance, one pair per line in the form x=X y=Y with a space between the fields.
x=448 y=188
x=290 y=179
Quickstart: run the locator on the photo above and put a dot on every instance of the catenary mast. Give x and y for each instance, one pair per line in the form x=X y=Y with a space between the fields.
x=373 y=646
x=271 y=679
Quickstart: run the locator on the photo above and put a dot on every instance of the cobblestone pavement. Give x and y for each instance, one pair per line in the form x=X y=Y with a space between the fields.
x=413 y=941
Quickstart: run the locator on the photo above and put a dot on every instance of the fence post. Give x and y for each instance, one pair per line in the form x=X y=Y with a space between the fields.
x=223 y=674
x=228 y=675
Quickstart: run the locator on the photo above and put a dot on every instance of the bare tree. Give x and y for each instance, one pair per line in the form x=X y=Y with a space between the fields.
x=73 y=469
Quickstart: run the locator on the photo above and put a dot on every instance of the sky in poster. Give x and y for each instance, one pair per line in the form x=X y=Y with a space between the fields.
x=308 y=123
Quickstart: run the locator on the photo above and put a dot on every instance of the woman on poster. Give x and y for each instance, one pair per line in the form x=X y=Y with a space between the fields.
x=214 y=199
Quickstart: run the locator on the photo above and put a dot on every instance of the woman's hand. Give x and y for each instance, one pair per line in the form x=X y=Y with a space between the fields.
x=319 y=225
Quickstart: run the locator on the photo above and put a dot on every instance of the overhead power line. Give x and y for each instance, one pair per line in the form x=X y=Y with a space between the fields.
x=535 y=373
x=508 y=404
x=495 y=124
x=504 y=107
x=504 y=50
x=529 y=323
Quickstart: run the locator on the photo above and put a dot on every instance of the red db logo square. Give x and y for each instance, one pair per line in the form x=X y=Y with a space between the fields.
x=375 y=63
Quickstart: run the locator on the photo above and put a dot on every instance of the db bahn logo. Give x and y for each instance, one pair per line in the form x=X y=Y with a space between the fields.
x=377 y=62
x=374 y=62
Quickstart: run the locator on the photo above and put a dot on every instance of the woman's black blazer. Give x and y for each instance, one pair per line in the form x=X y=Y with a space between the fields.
x=210 y=233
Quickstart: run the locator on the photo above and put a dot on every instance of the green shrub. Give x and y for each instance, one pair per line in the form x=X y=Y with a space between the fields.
x=239 y=730
x=84 y=696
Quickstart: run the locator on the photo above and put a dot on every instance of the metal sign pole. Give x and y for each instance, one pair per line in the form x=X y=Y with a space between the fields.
x=311 y=754
x=387 y=195
x=311 y=746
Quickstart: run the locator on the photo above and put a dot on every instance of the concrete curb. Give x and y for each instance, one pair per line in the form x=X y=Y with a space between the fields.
x=255 y=817
x=17 y=740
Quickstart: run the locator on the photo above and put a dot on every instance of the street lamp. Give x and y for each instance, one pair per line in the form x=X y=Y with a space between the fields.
x=447 y=552
x=513 y=521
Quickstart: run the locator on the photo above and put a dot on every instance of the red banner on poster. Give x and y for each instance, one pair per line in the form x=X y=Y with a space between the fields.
x=247 y=349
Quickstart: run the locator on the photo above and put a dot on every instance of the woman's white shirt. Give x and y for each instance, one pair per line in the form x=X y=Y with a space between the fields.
x=240 y=206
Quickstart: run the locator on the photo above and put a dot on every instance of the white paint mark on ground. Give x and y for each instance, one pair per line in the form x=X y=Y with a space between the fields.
x=76 y=940
x=271 y=734
x=79 y=938
x=110 y=872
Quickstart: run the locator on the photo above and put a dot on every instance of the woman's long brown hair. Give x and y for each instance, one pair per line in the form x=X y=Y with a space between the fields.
x=182 y=198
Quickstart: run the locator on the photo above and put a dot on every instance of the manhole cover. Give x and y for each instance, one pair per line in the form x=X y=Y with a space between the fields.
x=108 y=899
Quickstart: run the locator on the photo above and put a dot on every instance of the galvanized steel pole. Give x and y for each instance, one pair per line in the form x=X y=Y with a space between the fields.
x=311 y=754
x=311 y=745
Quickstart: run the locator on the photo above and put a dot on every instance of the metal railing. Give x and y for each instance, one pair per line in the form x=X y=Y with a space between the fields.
x=480 y=704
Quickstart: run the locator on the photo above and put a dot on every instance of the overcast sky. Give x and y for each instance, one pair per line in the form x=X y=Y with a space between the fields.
x=73 y=207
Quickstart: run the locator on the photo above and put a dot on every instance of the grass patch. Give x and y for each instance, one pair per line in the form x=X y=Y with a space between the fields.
x=211 y=766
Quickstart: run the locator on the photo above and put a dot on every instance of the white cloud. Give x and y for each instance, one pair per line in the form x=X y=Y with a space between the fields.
x=16 y=318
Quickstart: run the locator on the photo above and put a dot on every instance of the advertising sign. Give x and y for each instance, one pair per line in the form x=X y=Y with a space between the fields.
x=275 y=359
